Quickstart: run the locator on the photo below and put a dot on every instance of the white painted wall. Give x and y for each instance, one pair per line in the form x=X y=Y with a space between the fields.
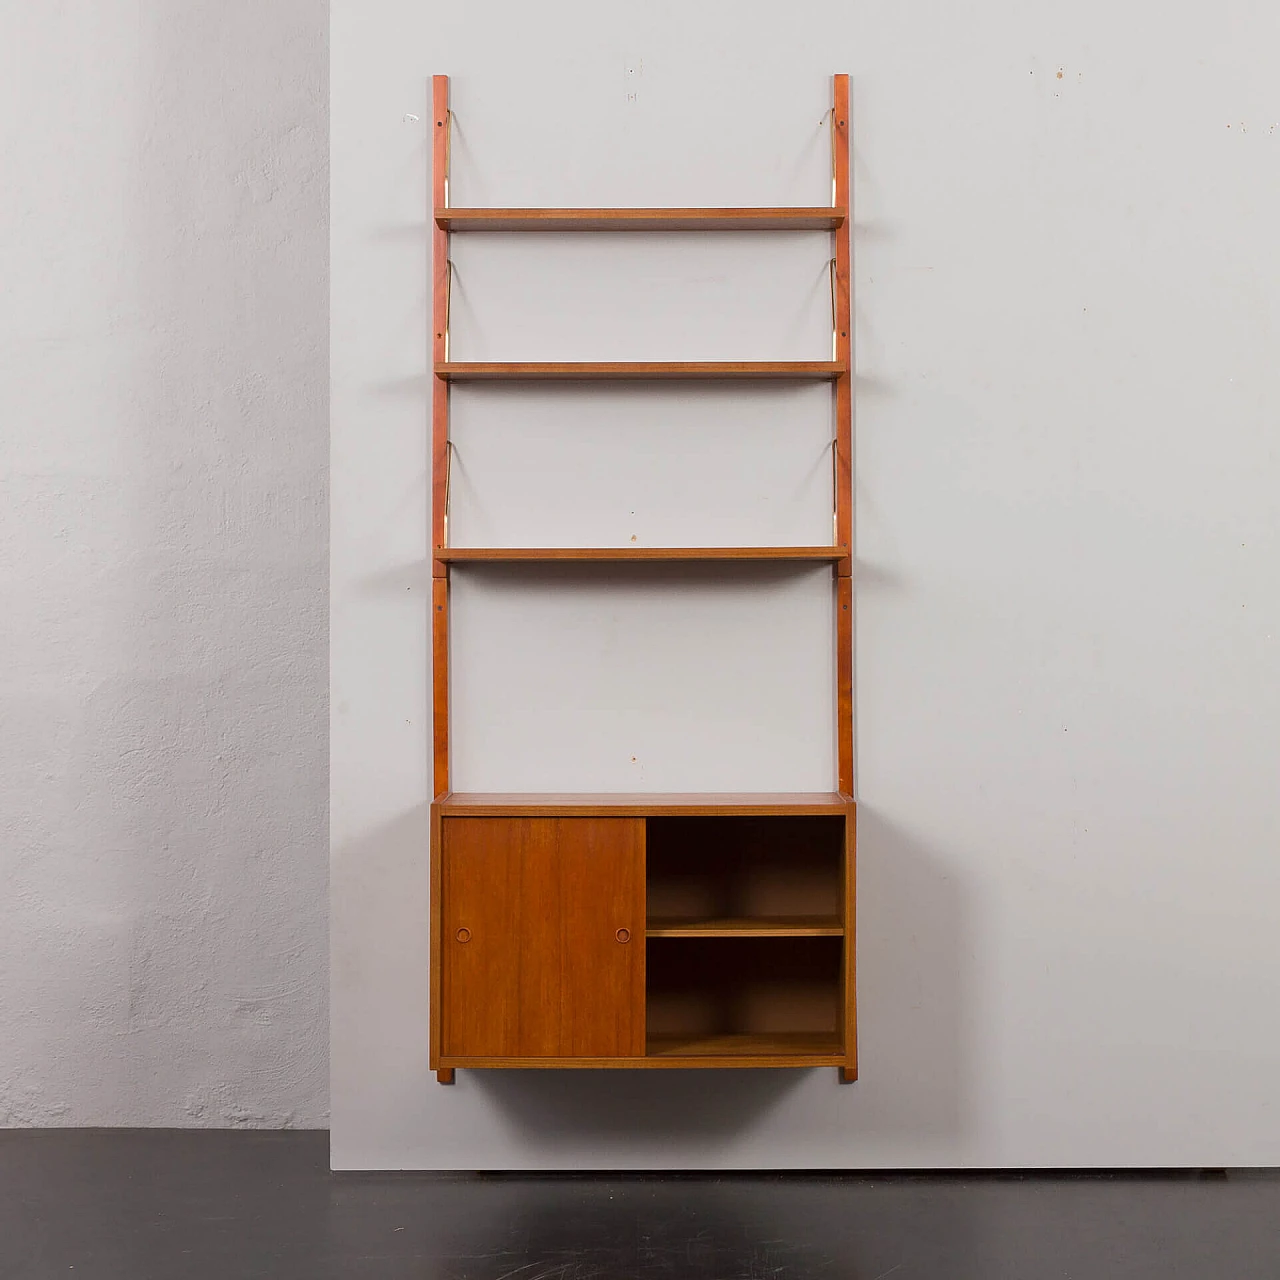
x=162 y=456
x=1068 y=560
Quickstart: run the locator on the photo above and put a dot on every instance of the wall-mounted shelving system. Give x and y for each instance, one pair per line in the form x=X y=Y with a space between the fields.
x=643 y=930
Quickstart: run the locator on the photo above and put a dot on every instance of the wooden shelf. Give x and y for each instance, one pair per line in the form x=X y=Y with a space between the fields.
x=592 y=370
x=814 y=218
x=777 y=927
x=637 y=554
x=782 y=1045
x=640 y=804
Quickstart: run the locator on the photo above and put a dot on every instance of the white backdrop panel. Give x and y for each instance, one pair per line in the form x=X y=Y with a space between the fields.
x=1068 y=571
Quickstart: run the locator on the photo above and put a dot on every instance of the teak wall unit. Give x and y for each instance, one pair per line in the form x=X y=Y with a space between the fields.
x=643 y=930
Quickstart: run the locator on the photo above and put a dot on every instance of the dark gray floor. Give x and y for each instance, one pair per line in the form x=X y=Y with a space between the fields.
x=150 y=1205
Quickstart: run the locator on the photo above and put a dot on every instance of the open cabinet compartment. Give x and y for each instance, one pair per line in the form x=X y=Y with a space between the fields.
x=738 y=876
x=743 y=996
x=745 y=935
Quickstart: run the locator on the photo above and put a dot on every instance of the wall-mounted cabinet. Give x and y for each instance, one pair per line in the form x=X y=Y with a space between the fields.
x=643 y=931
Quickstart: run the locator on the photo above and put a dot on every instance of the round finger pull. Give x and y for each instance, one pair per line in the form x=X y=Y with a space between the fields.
x=463 y=935
x=623 y=935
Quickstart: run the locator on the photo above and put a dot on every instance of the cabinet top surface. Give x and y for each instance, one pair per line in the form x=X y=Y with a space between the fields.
x=627 y=803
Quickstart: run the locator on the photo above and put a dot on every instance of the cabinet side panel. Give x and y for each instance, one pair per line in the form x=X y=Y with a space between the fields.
x=601 y=873
x=850 y=1003
x=436 y=1011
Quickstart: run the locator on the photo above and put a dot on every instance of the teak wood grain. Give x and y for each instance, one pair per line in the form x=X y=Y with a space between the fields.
x=543 y=937
x=626 y=370
x=641 y=554
x=814 y=218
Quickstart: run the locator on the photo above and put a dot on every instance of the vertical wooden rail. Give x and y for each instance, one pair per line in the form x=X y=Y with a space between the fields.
x=440 y=125
x=439 y=439
x=843 y=320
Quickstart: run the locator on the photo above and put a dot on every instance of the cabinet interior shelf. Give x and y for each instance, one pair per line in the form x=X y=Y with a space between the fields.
x=639 y=554
x=777 y=927
x=811 y=218
x=614 y=370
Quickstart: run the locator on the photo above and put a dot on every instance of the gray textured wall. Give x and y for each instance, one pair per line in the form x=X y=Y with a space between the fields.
x=163 y=379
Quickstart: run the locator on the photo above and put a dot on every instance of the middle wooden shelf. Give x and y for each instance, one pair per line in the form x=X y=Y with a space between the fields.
x=509 y=554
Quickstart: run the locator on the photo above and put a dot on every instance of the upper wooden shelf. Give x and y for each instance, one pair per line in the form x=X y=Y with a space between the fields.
x=575 y=370
x=814 y=218
x=639 y=804
x=638 y=554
